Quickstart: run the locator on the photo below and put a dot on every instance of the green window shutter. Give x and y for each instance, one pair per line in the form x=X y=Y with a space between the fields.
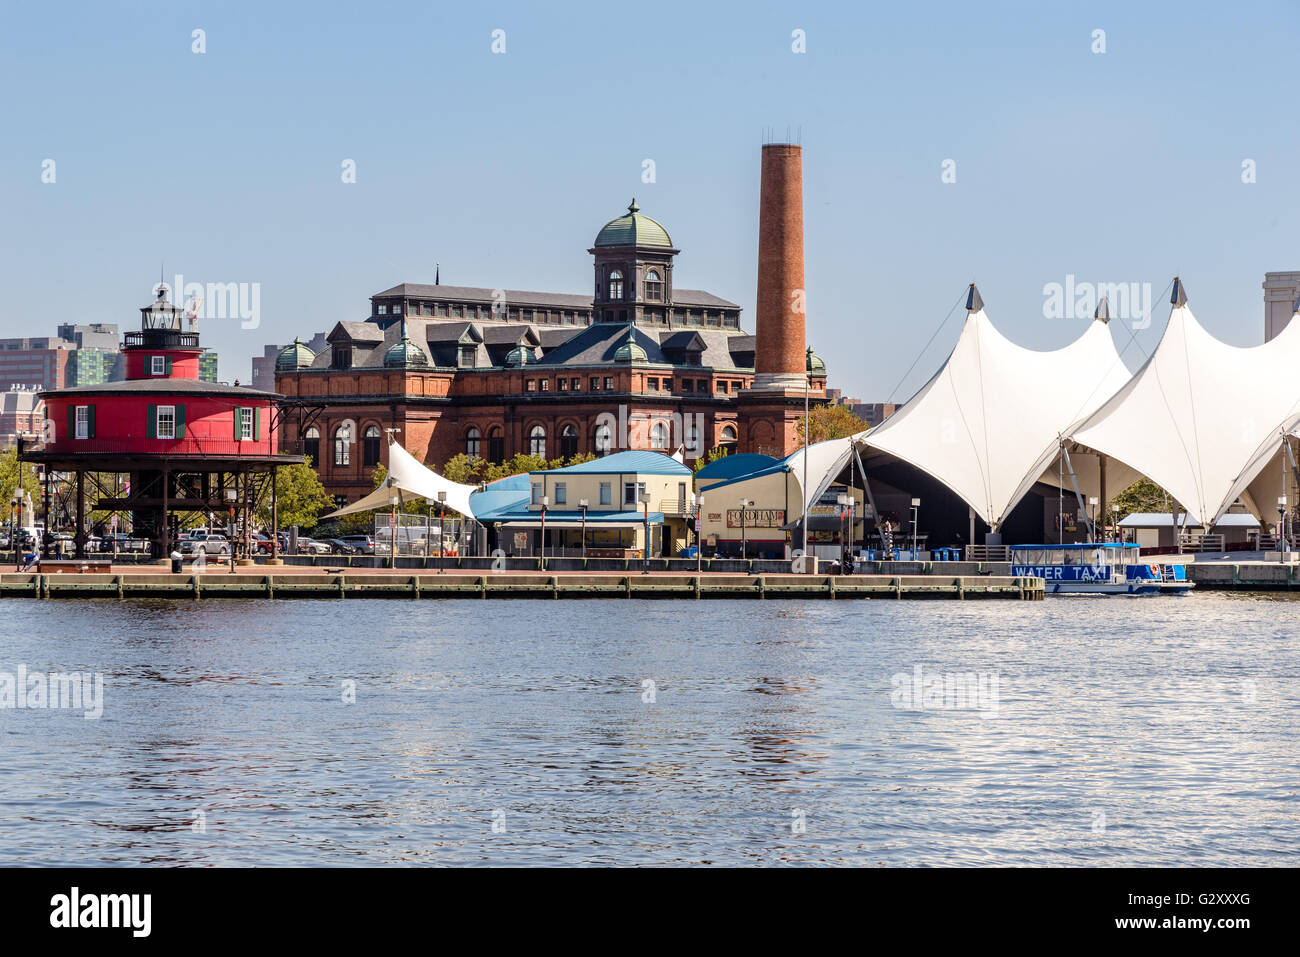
x=152 y=424
x=90 y=413
x=180 y=421
x=238 y=418
x=72 y=421
x=257 y=424
x=168 y=365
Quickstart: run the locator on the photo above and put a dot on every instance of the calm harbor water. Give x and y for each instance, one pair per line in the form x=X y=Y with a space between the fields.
x=1147 y=731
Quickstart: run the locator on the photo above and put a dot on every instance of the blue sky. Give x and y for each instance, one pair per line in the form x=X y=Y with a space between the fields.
x=1117 y=167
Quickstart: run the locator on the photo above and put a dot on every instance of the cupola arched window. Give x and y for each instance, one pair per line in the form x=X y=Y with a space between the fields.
x=311 y=444
x=654 y=286
x=370 y=447
x=615 y=285
x=343 y=445
x=568 y=442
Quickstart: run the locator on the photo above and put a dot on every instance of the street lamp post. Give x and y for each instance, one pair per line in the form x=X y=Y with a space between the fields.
x=582 y=504
x=442 y=538
x=699 y=527
x=843 y=501
x=744 y=542
x=1281 y=528
x=1092 y=504
x=645 y=552
x=546 y=501
x=916 y=514
x=232 y=495
x=393 y=500
x=13 y=528
x=1114 y=521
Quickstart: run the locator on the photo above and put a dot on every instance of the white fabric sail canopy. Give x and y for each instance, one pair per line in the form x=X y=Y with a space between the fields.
x=1201 y=418
x=990 y=420
x=415 y=481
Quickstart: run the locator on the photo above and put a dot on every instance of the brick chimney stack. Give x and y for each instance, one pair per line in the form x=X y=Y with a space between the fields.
x=780 y=358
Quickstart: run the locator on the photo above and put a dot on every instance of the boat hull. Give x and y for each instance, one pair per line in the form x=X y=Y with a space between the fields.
x=1137 y=587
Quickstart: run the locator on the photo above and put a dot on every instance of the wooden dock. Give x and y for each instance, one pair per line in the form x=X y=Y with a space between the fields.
x=505 y=585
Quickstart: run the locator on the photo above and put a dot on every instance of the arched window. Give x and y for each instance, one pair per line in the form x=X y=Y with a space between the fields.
x=343 y=445
x=496 y=444
x=659 y=436
x=472 y=438
x=654 y=285
x=537 y=441
x=311 y=444
x=615 y=285
x=568 y=442
x=370 y=447
x=602 y=439
x=691 y=439
x=728 y=438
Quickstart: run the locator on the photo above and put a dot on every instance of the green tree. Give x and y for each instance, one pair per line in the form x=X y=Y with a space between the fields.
x=1143 y=495
x=9 y=478
x=829 y=422
x=713 y=455
x=299 y=495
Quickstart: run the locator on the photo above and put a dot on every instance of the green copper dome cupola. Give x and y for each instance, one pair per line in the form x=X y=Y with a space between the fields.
x=630 y=350
x=520 y=355
x=294 y=356
x=405 y=354
x=815 y=365
x=633 y=229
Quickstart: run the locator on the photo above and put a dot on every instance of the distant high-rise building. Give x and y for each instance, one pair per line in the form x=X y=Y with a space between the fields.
x=77 y=355
x=264 y=365
x=21 y=411
x=208 y=367
x=1281 y=290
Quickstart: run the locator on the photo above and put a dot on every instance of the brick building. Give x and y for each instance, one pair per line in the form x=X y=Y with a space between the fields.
x=22 y=411
x=640 y=363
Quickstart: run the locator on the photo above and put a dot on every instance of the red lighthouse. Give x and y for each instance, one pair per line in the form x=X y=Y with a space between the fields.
x=182 y=444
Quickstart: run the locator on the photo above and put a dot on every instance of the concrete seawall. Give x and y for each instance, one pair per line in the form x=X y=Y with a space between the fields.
x=220 y=585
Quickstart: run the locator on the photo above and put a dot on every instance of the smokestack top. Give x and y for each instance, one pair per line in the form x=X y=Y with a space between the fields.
x=780 y=358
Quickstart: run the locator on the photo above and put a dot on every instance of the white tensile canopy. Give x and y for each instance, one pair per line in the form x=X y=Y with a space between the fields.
x=990 y=421
x=416 y=481
x=825 y=460
x=1201 y=418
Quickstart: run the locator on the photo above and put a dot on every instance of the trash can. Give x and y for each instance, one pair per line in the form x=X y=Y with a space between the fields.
x=177 y=558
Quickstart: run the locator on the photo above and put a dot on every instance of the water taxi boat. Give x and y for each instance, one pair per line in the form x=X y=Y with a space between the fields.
x=1098 y=568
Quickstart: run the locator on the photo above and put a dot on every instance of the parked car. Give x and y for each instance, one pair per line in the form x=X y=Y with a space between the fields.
x=364 y=544
x=212 y=543
x=125 y=543
x=309 y=546
x=340 y=547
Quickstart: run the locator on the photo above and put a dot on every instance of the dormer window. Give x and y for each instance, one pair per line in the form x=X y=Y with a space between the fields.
x=383 y=310
x=341 y=357
x=615 y=285
x=158 y=365
x=654 y=285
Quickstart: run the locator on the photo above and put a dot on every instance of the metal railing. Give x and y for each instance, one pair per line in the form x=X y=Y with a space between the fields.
x=988 y=553
x=161 y=339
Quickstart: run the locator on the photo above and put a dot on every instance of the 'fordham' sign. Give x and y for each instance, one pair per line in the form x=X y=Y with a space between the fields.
x=756 y=517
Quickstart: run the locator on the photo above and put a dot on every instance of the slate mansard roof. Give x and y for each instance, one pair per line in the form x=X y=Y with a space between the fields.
x=443 y=342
